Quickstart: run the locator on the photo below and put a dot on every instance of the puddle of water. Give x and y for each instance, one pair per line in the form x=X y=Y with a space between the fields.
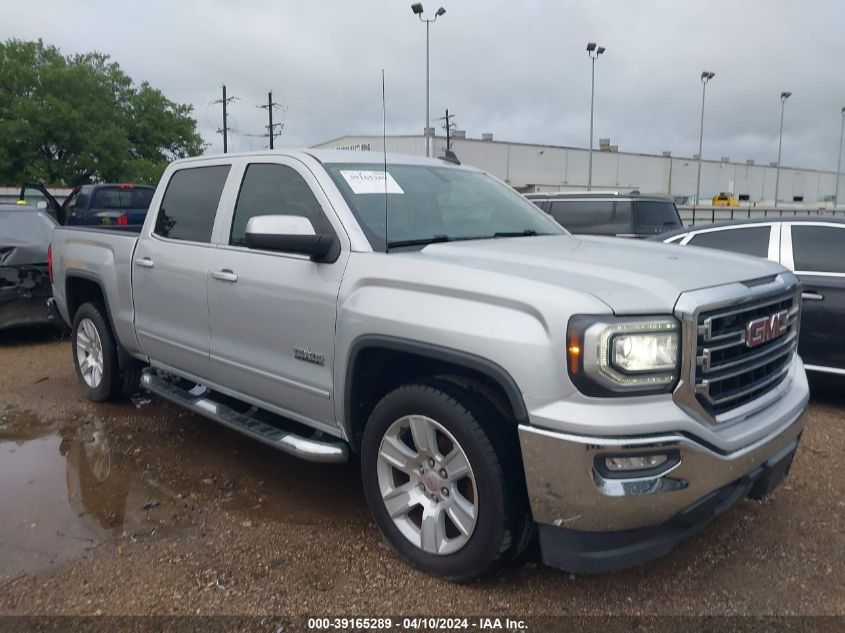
x=63 y=494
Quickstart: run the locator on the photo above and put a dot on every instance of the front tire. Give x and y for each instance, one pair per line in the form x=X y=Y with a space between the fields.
x=434 y=478
x=95 y=356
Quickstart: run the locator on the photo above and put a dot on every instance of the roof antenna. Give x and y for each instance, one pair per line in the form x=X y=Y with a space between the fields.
x=384 y=151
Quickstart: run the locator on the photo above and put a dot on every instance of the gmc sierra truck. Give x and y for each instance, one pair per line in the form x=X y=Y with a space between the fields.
x=499 y=379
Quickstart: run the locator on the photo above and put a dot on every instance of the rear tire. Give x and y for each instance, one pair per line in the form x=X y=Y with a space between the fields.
x=478 y=515
x=94 y=350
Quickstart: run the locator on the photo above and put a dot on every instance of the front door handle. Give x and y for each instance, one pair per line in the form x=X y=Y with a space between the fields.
x=811 y=295
x=145 y=262
x=225 y=275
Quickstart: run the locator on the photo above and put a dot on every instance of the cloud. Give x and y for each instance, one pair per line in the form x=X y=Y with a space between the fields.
x=518 y=70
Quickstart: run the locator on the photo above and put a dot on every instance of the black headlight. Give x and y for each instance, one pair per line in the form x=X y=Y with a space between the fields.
x=617 y=356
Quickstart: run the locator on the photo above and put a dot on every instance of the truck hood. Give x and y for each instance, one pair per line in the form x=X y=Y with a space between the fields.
x=630 y=276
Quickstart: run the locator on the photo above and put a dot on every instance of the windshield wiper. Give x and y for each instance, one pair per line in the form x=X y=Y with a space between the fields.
x=525 y=233
x=434 y=239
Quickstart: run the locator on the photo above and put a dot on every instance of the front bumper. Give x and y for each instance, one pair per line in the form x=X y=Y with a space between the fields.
x=575 y=503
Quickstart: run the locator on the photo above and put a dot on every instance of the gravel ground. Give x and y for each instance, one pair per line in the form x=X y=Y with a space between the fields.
x=141 y=508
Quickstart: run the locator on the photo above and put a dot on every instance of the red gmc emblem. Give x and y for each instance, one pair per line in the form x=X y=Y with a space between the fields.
x=766 y=328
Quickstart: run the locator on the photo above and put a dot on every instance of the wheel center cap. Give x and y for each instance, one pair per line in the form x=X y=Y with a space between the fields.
x=431 y=481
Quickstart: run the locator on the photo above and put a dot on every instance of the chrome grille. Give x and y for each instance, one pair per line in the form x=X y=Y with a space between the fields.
x=729 y=373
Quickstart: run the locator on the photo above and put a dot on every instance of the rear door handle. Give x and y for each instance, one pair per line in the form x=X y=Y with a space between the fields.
x=225 y=275
x=145 y=262
x=811 y=295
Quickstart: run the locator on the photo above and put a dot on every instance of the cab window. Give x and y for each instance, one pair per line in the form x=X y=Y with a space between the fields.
x=818 y=248
x=655 y=216
x=599 y=217
x=745 y=241
x=190 y=203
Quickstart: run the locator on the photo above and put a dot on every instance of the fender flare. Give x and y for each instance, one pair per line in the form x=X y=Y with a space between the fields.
x=124 y=358
x=466 y=360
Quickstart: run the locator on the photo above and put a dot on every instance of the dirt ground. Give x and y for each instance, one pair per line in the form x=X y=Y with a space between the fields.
x=141 y=508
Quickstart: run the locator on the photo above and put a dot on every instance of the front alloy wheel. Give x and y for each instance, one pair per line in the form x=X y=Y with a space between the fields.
x=427 y=485
x=433 y=461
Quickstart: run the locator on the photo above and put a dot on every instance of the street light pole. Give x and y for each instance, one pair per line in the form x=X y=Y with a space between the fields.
x=783 y=97
x=593 y=51
x=705 y=77
x=839 y=160
x=417 y=8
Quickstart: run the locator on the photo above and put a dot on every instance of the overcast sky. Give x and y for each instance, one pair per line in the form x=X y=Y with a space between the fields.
x=516 y=69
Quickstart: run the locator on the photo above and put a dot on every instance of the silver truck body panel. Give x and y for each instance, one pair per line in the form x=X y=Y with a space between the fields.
x=276 y=330
x=103 y=256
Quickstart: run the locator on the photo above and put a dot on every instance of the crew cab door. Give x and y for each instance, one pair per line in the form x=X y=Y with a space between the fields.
x=273 y=314
x=816 y=252
x=170 y=271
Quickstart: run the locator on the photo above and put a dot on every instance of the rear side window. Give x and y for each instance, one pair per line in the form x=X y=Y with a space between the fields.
x=269 y=189
x=592 y=216
x=656 y=217
x=190 y=203
x=818 y=248
x=745 y=241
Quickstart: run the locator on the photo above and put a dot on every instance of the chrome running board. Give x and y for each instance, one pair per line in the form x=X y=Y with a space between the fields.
x=333 y=451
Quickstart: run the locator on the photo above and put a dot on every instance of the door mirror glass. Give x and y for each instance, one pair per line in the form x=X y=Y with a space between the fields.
x=287 y=234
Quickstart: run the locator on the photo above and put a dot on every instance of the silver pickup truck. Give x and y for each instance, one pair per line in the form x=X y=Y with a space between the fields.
x=499 y=379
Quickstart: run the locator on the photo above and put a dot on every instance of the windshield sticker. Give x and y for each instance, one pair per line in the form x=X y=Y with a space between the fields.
x=370 y=182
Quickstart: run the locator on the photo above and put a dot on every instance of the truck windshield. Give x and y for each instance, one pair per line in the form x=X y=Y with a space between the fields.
x=122 y=197
x=425 y=204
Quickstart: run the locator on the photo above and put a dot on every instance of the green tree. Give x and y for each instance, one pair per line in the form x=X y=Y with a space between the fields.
x=70 y=120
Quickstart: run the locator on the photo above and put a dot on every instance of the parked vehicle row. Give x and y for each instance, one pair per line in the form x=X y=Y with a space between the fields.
x=814 y=249
x=610 y=212
x=498 y=376
x=24 y=278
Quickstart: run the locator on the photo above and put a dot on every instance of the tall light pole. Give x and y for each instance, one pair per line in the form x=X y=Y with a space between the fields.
x=839 y=160
x=417 y=8
x=783 y=97
x=593 y=51
x=705 y=77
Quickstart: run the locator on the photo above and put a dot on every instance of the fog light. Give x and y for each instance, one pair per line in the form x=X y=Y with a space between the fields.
x=640 y=462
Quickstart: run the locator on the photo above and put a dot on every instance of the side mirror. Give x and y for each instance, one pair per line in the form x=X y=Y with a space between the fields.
x=287 y=234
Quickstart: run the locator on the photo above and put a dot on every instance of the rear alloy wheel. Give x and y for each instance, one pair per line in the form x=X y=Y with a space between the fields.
x=95 y=356
x=89 y=353
x=433 y=470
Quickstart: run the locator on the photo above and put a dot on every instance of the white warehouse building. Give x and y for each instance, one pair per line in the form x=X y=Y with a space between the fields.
x=528 y=168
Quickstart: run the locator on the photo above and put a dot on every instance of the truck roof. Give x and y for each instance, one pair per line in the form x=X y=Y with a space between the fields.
x=330 y=156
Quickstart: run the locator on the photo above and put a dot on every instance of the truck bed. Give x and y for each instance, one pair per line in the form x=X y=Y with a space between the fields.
x=101 y=256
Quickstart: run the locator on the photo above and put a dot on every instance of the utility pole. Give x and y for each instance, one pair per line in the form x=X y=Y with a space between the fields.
x=271 y=128
x=225 y=129
x=448 y=126
x=839 y=160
